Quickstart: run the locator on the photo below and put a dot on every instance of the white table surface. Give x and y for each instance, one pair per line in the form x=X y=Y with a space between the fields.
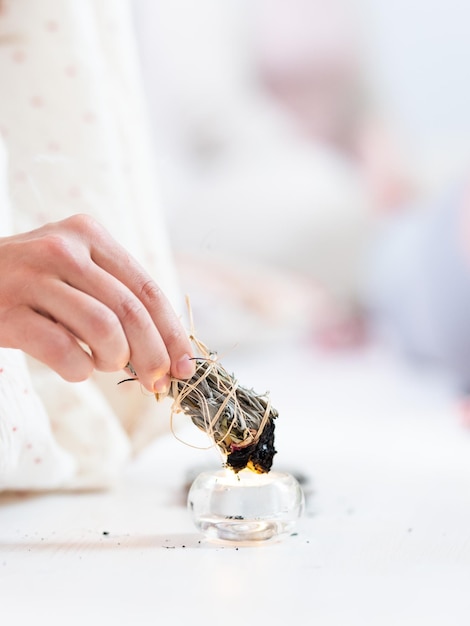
x=385 y=538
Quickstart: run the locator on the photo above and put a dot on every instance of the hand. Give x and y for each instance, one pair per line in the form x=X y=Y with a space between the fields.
x=75 y=299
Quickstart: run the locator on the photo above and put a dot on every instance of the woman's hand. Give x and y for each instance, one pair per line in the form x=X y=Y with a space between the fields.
x=75 y=299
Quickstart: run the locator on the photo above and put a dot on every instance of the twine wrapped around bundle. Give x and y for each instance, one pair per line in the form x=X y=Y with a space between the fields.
x=239 y=421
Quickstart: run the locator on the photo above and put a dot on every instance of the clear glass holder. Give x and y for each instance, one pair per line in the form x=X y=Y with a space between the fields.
x=245 y=507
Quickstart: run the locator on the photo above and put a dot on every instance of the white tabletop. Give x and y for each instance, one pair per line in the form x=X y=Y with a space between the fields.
x=385 y=537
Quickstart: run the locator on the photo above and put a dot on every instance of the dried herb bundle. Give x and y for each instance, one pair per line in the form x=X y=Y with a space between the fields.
x=239 y=421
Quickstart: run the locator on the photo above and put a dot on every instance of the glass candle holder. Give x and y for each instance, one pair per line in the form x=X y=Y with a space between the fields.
x=245 y=507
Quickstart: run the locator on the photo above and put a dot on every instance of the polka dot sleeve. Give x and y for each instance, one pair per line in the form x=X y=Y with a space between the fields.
x=74 y=122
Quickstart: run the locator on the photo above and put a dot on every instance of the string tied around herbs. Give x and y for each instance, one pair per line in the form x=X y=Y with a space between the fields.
x=236 y=419
x=239 y=421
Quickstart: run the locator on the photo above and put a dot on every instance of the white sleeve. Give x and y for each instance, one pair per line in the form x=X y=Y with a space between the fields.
x=74 y=121
x=30 y=457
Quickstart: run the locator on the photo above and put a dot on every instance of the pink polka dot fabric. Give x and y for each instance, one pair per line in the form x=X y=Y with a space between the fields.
x=73 y=121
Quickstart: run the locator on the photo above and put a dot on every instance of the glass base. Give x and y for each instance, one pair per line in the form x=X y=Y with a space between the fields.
x=245 y=507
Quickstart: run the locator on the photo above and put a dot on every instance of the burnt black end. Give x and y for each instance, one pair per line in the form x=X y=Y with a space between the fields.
x=258 y=456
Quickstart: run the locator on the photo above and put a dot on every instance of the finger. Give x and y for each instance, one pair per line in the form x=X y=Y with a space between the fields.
x=91 y=321
x=170 y=327
x=48 y=342
x=155 y=302
x=146 y=348
x=157 y=340
x=151 y=343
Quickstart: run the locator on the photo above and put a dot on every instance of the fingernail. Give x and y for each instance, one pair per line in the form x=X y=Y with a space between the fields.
x=162 y=385
x=185 y=367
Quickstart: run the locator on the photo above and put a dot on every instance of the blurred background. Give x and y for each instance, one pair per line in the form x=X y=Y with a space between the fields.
x=286 y=132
